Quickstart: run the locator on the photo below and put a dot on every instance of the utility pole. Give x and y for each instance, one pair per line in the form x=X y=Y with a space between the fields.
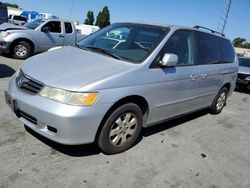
x=224 y=17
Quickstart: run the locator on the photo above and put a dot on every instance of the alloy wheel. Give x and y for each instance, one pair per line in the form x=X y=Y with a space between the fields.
x=123 y=129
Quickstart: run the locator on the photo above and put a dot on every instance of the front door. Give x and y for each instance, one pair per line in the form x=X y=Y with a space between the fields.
x=51 y=35
x=175 y=90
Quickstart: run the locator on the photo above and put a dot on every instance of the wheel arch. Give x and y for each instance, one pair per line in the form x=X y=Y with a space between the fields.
x=136 y=99
x=228 y=86
x=23 y=39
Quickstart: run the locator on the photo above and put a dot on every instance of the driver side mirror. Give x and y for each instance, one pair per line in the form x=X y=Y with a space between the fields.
x=45 y=29
x=169 y=60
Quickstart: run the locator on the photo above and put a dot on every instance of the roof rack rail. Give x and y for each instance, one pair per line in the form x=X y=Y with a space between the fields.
x=212 y=31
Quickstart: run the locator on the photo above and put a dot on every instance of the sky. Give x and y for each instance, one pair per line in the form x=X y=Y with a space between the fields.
x=206 y=13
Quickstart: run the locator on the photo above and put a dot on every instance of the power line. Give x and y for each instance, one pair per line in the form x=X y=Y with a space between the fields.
x=224 y=17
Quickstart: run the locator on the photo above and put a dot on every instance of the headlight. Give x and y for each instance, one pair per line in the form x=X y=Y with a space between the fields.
x=69 y=97
x=4 y=34
x=247 y=78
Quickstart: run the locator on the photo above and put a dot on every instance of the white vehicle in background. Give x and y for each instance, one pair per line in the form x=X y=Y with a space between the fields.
x=47 y=16
x=17 y=20
x=86 y=29
x=37 y=36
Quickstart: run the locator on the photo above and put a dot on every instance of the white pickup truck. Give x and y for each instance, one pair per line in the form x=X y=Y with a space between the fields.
x=37 y=36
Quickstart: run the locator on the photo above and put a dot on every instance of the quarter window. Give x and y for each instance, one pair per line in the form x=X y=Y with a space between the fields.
x=181 y=43
x=68 y=27
x=213 y=49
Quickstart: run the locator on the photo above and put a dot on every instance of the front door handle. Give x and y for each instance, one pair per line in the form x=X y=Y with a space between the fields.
x=61 y=36
x=193 y=76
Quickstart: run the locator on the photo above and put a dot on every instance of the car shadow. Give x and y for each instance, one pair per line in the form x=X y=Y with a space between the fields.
x=242 y=90
x=92 y=149
x=6 y=71
x=168 y=124
x=74 y=150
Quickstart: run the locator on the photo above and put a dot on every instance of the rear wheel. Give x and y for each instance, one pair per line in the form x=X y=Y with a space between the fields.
x=21 y=50
x=121 y=130
x=219 y=101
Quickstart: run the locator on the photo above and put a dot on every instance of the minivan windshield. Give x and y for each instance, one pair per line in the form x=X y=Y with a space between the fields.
x=125 y=41
x=34 y=24
x=244 y=62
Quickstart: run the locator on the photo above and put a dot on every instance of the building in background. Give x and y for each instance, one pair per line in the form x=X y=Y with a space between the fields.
x=14 y=11
x=242 y=51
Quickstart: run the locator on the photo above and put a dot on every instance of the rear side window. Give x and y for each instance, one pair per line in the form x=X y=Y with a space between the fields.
x=19 y=18
x=68 y=27
x=214 y=50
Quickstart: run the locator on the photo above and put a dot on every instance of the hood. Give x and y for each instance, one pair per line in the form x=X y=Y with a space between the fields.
x=9 y=26
x=71 y=68
x=244 y=70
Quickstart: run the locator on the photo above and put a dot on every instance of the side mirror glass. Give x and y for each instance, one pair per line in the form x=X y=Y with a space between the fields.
x=169 y=60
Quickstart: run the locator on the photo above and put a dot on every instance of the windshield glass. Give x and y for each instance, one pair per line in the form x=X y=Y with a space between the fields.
x=131 y=42
x=34 y=24
x=244 y=62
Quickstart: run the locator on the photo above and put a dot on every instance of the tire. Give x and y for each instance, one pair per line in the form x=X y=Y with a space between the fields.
x=21 y=50
x=219 y=101
x=121 y=129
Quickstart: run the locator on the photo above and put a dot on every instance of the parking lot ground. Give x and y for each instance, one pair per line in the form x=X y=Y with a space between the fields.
x=198 y=150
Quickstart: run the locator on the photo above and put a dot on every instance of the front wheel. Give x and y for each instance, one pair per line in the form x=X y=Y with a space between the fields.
x=21 y=50
x=219 y=101
x=121 y=130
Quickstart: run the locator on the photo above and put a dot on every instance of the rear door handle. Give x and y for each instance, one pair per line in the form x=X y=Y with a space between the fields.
x=193 y=76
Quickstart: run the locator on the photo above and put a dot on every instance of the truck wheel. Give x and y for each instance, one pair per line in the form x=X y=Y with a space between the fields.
x=121 y=130
x=21 y=50
x=219 y=101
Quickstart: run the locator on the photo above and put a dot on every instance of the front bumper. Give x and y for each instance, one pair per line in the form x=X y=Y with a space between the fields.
x=65 y=124
x=4 y=46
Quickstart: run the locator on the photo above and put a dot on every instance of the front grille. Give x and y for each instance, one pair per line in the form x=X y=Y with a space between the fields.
x=26 y=116
x=27 y=84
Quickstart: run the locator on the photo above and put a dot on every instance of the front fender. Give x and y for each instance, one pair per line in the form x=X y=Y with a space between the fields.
x=21 y=36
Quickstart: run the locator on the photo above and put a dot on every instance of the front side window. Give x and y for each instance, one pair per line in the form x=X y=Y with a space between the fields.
x=131 y=42
x=52 y=27
x=181 y=43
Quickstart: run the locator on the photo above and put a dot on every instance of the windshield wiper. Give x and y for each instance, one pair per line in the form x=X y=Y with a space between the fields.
x=100 y=50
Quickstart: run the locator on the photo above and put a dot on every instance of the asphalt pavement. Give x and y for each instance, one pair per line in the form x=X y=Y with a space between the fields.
x=198 y=150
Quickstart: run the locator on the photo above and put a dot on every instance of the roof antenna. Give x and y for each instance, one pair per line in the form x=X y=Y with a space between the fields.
x=71 y=8
x=224 y=17
x=70 y=14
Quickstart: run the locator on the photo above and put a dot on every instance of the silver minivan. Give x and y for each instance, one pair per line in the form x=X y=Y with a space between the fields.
x=122 y=78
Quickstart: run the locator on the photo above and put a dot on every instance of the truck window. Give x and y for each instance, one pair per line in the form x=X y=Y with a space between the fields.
x=19 y=18
x=53 y=27
x=68 y=27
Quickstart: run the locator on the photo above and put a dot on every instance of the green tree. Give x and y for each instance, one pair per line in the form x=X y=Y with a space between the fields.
x=103 y=18
x=90 y=18
x=11 y=5
x=239 y=42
